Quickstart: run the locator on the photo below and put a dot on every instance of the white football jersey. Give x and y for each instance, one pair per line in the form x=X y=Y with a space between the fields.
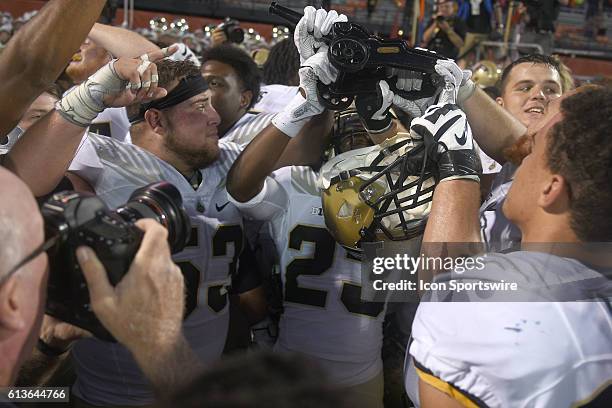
x=247 y=127
x=274 y=98
x=106 y=372
x=323 y=316
x=112 y=122
x=497 y=231
x=520 y=354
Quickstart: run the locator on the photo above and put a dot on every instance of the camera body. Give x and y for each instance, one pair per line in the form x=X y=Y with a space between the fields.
x=363 y=59
x=232 y=30
x=83 y=219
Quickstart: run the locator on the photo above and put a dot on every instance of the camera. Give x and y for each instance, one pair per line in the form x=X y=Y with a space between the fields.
x=232 y=30
x=77 y=219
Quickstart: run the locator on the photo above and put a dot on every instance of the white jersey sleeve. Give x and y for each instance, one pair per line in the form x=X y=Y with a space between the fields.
x=270 y=202
x=522 y=354
x=247 y=127
x=497 y=231
x=274 y=98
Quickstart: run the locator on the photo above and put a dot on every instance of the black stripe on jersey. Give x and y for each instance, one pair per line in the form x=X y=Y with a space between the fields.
x=477 y=401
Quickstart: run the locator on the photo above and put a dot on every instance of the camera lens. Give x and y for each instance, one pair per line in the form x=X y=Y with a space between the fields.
x=164 y=203
x=235 y=35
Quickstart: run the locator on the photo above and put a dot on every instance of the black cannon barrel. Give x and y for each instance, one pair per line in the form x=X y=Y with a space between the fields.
x=291 y=16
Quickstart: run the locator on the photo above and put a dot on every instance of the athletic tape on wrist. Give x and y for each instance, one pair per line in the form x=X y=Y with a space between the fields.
x=81 y=104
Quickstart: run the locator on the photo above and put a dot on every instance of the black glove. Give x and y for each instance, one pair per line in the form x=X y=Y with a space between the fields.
x=373 y=109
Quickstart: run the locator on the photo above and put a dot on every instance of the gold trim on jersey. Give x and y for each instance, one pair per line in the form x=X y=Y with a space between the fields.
x=594 y=395
x=446 y=388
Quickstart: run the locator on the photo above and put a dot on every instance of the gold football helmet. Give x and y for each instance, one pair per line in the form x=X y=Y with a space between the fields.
x=486 y=73
x=378 y=192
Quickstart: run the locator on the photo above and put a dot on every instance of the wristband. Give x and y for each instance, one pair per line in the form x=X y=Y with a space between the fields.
x=48 y=350
x=293 y=118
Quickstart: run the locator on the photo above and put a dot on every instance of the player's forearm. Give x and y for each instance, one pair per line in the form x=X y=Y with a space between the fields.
x=43 y=153
x=454 y=212
x=248 y=174
x=121 y=42
x=168 y=366
x=493 y=127
x=38 y=53
x=306 y=149
x=453 y=220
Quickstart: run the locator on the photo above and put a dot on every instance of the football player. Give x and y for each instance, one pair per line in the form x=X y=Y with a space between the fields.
x=554 y=351
x=528 y=85
x=41 y=105
x=324 y=316
x=103 y=43
x=36 y=55
x=176 y=140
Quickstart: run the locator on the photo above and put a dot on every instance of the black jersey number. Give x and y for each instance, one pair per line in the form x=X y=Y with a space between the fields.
x=225 y=235
x=321 y=261
x=216 y=296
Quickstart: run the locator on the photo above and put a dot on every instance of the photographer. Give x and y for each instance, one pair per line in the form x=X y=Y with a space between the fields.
x=153 y=288
x=481 y=17
x=228 y=31
x=445 y=32
x=539 y=21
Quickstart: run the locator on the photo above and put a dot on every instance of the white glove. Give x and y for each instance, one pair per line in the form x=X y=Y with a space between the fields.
x=81 y=104
x=410 y=81
x=458 y=85
x=311 y=28
x=295 y=115
x=448 y=137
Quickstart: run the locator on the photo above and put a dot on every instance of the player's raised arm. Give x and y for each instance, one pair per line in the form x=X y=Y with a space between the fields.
x=38 y=53
x=267 y=151
x=121 y=42
x=448 y=137
x=42 y=155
